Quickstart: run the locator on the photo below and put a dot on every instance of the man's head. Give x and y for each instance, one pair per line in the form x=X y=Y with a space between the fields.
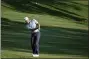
x=26 y=19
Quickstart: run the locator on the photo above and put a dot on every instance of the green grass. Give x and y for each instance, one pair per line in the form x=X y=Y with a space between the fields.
x=61 y=37
x=18 y=54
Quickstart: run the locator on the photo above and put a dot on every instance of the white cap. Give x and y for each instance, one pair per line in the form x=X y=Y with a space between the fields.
x=26 y=18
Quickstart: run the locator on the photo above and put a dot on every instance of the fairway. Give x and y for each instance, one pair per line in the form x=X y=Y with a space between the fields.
x=64 y=33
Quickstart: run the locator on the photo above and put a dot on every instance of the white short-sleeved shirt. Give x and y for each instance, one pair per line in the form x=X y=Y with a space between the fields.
x=32 y=25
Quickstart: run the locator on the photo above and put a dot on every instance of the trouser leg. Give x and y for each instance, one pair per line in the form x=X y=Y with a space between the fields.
x=32 y=40
x=37 y=37
x=35 y=42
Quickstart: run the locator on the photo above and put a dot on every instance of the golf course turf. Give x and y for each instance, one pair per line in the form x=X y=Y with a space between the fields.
x=64 y=29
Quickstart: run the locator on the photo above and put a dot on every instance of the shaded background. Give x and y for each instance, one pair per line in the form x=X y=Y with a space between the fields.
x=64 y=28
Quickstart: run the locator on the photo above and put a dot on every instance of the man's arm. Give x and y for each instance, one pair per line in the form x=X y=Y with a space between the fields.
x=37 y=27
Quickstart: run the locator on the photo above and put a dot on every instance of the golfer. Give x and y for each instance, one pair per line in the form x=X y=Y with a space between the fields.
x=34 y=26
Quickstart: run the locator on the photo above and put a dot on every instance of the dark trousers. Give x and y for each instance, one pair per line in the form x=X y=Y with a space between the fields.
x=35 y=37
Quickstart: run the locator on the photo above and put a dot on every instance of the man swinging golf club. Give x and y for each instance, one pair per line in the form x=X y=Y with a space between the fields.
x=34 y=26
